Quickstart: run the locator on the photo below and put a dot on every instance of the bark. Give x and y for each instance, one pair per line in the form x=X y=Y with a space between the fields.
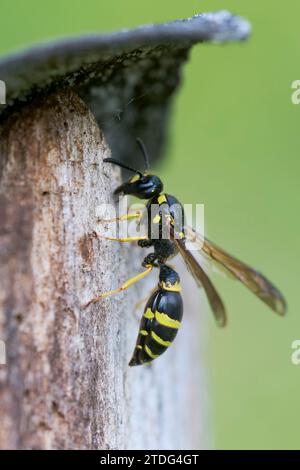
x=66 y=384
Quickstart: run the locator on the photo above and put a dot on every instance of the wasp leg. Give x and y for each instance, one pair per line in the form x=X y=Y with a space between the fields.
x=123 y=240
x=123 y=287
x=129 y=216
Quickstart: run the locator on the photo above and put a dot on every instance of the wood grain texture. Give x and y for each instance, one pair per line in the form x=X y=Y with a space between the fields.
x=66 y=384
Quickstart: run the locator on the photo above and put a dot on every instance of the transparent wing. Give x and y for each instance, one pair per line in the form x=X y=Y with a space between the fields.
x=203 y=280
x=256 y=282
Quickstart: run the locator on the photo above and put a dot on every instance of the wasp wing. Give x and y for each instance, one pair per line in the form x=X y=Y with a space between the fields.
x=203 y=280
x=256 y=282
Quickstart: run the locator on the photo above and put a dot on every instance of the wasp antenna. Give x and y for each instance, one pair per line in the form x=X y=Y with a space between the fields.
x=144 y=151
x=122 y=165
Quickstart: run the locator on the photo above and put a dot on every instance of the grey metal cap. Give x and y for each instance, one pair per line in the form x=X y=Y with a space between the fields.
x=127 y=78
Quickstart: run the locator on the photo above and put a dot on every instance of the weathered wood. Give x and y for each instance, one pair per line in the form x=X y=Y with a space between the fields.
x=66 y=383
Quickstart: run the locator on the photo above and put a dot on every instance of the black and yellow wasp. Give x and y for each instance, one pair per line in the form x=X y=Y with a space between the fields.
x=163 y=311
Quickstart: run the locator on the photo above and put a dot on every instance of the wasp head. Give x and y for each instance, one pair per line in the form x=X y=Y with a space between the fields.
x=141 y=185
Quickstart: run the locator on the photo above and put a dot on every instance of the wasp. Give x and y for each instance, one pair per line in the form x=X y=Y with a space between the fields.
x=163 y=311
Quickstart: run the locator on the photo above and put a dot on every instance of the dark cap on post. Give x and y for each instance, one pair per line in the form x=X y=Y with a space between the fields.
x=127 y=78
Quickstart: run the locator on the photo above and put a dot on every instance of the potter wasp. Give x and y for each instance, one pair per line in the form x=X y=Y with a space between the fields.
x=163 y=311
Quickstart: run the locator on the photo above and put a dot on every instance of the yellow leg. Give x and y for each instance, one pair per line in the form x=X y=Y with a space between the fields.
x=124 y=286
x=125 y=239
x=129 y=216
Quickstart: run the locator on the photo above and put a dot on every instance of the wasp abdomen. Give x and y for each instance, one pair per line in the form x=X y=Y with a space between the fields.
x=160 y=322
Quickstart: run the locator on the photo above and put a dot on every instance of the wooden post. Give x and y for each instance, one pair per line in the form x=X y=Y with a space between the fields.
x=66 y=384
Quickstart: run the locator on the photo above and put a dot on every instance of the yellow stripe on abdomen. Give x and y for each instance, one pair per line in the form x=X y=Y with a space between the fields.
x=149 y=314
x=165 y=320
x=144 y=332
x=150 y=353
x=159 y=340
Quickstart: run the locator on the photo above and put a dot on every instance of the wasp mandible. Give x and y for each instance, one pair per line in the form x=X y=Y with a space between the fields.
x=164 y=309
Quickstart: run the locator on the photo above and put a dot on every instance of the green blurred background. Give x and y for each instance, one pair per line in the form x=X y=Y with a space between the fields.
x=234 y=145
